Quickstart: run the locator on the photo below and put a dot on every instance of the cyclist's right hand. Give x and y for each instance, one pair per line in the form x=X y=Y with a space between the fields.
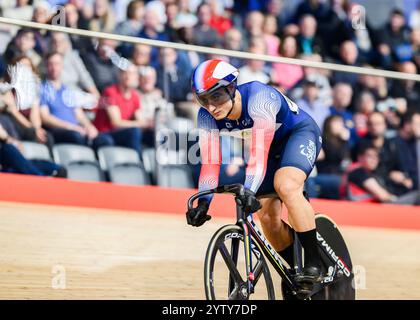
x=197 y=216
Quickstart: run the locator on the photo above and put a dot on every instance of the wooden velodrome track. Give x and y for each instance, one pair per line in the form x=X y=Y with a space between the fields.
x=68 y=252
x=113 y=254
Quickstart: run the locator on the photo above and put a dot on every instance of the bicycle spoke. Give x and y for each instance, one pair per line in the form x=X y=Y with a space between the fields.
x=230 y=264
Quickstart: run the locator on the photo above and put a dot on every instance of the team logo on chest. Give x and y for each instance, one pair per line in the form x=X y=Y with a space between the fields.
x=246 y=122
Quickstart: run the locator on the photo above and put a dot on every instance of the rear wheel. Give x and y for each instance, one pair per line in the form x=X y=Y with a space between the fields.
x=225 y=269
x=335 y=259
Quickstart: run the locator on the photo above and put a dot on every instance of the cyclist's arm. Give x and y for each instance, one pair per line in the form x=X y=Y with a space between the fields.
x=263 y=109
x=210 y=152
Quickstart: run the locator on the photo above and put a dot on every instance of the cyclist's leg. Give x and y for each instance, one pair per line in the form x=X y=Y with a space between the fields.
x=277 y=232
x=289 y=183
x=297 y=161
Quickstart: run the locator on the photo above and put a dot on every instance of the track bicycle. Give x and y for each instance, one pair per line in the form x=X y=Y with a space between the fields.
x=235 y=262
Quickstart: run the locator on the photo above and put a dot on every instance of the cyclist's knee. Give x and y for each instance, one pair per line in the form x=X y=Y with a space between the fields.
x=288 y=189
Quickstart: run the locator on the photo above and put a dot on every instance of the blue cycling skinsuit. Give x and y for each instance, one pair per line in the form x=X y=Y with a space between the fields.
x=281 y=135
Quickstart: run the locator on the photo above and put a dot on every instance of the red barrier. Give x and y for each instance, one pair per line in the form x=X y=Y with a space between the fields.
x=53 y=191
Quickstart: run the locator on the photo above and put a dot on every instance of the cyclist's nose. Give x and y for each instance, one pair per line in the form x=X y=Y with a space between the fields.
x=211 y=107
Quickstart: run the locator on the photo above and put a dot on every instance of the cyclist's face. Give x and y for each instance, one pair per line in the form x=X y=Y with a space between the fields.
x=218 y=103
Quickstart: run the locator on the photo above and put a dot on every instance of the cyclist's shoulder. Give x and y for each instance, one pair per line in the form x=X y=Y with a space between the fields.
x=205 y=119
x=252 y=86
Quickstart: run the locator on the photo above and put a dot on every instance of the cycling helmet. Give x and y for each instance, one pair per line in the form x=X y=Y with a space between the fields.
x=211 y=75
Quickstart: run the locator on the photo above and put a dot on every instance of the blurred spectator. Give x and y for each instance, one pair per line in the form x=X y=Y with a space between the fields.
x=151 y=101
x=276 y=8
x=348 y=56
x=408 y=133
x=316 y=8
x=415 y=42
x=395 y=40
x=172 y=26
x=100 y=66
x=219 y=20
x=342 y=95
x=172 y=80
x=153 y=27
x=362 y=182
x=316 y=75
x=272 y=41
x=407 y=89
x=311 y=104
x=365 y=106
x=60 y=112
x=414 y=19
x=42 y=14
x=378 y=86
x=254 y=23
x=396 y=181
x=141 y=55
x=12 y=159
x=22 y=10
x=27 y=123
x=74 y=75
x=253 y=70
x=103 y=19
x=334 y=157
x=308 y=41
x=185 y=18
x=287 y=75
x=204 y=33
x=23 y=44
x=232 y=40
x=117 y=118
x=134 y=19
x=74 y=20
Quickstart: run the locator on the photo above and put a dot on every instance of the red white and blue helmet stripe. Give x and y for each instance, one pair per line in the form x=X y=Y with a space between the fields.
x=211 y=75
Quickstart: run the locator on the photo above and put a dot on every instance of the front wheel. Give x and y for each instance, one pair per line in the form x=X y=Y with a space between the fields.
x=225 y=268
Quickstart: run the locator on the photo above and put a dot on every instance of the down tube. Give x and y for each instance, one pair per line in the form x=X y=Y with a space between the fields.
x=269 y=252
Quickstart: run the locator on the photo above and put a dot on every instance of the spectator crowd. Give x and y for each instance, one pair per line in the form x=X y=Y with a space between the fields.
x=98 y=92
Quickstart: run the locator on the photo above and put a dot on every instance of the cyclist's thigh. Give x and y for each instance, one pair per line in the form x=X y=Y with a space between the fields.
x=302 y=148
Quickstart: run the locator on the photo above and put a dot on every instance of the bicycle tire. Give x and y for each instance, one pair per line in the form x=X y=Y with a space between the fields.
x=232 y=233
x=343 y=289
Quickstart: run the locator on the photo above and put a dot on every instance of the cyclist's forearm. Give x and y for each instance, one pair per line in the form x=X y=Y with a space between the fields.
x=209 y=178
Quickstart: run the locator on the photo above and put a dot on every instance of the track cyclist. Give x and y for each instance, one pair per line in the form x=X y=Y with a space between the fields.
x=285 y=142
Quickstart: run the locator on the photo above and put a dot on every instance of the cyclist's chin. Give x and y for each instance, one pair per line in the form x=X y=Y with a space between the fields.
x=219 y=115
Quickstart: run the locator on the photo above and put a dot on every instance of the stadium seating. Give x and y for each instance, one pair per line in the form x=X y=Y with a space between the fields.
x=35 y=151
x=174 y=176
x=79 y=161
x=123 y=165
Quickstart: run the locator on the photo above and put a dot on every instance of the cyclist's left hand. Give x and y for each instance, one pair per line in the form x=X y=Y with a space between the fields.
x=197 y=216
x=250 y=202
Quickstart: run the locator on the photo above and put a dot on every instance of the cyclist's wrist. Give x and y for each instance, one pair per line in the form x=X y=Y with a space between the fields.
x=203 y=202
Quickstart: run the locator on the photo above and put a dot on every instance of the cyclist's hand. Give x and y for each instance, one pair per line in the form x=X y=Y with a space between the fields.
x=250 y=202
x=197 y=216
